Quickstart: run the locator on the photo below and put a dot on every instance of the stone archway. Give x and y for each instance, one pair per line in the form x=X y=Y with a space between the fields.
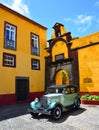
x=62 y=77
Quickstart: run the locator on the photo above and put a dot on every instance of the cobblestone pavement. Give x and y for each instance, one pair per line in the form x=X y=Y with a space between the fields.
x=16 y=117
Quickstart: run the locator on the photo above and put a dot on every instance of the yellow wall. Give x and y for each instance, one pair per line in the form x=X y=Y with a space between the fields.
x=85 y=40
x=23 y=54
x=88 y=60
x=59 y=48
x=89 y=69
x=58 y=77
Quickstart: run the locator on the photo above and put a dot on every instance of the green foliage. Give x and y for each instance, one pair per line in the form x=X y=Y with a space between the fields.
x=64 y=78
x=85 y=97
x=89 y=97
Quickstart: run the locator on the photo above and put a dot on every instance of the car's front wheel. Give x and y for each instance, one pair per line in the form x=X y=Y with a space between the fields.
x=57 y=112
x=34 y=114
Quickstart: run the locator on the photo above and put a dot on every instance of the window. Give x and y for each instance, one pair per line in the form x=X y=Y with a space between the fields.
x=10 y=37
x=59 y=57
x=73 y=90
x=9 y=60
x=67 y=90
x=35 y=64
x=34 y=44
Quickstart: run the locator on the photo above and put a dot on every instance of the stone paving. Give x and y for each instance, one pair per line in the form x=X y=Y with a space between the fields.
x=16 y=117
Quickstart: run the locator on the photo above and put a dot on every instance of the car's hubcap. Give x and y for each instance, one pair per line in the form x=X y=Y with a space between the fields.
x=58 y=113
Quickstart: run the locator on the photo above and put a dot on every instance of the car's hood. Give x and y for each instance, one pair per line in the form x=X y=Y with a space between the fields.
x=53 y=95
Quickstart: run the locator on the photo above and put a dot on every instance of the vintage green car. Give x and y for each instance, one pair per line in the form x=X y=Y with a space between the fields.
x=58 y=99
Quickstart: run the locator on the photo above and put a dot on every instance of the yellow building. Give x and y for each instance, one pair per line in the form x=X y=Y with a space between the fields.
x=22 y=71
x=88 y=59
x=73 y=60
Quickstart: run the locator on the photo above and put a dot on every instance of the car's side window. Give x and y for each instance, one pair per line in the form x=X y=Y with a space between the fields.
x=51 y=90
x=60 y=90
x=72 y=90
x=67 y=91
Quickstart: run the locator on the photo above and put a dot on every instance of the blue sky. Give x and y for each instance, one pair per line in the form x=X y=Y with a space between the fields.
x=80 y=17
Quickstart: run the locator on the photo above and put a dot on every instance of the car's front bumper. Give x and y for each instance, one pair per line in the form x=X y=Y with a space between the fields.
x=39 y=111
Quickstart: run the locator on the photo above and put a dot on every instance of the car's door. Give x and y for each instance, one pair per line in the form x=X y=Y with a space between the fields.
x=68 y=97
x=67 y=101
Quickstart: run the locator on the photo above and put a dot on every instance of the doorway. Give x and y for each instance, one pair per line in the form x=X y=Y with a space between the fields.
x=22 y=88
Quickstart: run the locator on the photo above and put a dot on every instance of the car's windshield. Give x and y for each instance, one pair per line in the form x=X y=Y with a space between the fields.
x=65 y=90
x=50 y=90
x=55 y=90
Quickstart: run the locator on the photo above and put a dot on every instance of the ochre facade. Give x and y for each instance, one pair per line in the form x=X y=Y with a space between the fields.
x=89 y=68
x=77 y=57
x=88 y=59
x=13 y=78
x=27 y=67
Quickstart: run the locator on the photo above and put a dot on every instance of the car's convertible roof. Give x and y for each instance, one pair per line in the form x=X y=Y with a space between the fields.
x=61 y=86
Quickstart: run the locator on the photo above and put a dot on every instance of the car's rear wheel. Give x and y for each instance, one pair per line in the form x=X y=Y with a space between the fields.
x=57 y=112
x=77 y=105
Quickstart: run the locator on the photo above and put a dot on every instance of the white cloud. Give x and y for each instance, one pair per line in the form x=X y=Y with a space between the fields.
x=83 y=19
x=20 y=6
x=81 y=22
x=17 y=5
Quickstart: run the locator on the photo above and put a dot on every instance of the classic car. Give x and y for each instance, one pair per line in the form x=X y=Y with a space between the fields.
x=58 y=99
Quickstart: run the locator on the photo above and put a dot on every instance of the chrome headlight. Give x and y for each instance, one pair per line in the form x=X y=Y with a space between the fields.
x=36 y=100
x=48 y=101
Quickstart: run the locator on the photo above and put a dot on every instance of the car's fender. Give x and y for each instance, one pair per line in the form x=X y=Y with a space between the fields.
x=76 y=100
x=35 y=105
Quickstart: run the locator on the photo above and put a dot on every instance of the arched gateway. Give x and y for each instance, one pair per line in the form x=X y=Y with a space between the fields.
x=61 y=65
x=62 y=77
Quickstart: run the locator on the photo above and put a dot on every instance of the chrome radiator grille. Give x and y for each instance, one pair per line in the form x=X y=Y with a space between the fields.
x=44 y=101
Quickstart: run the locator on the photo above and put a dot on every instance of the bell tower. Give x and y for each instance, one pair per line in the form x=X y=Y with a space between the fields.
x=60 y=31
x=57 y=29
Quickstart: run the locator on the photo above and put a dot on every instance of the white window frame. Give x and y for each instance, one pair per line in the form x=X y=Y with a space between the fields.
x=8 y=60
x=10 y=38
x=35 y=64
x=34 y=44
